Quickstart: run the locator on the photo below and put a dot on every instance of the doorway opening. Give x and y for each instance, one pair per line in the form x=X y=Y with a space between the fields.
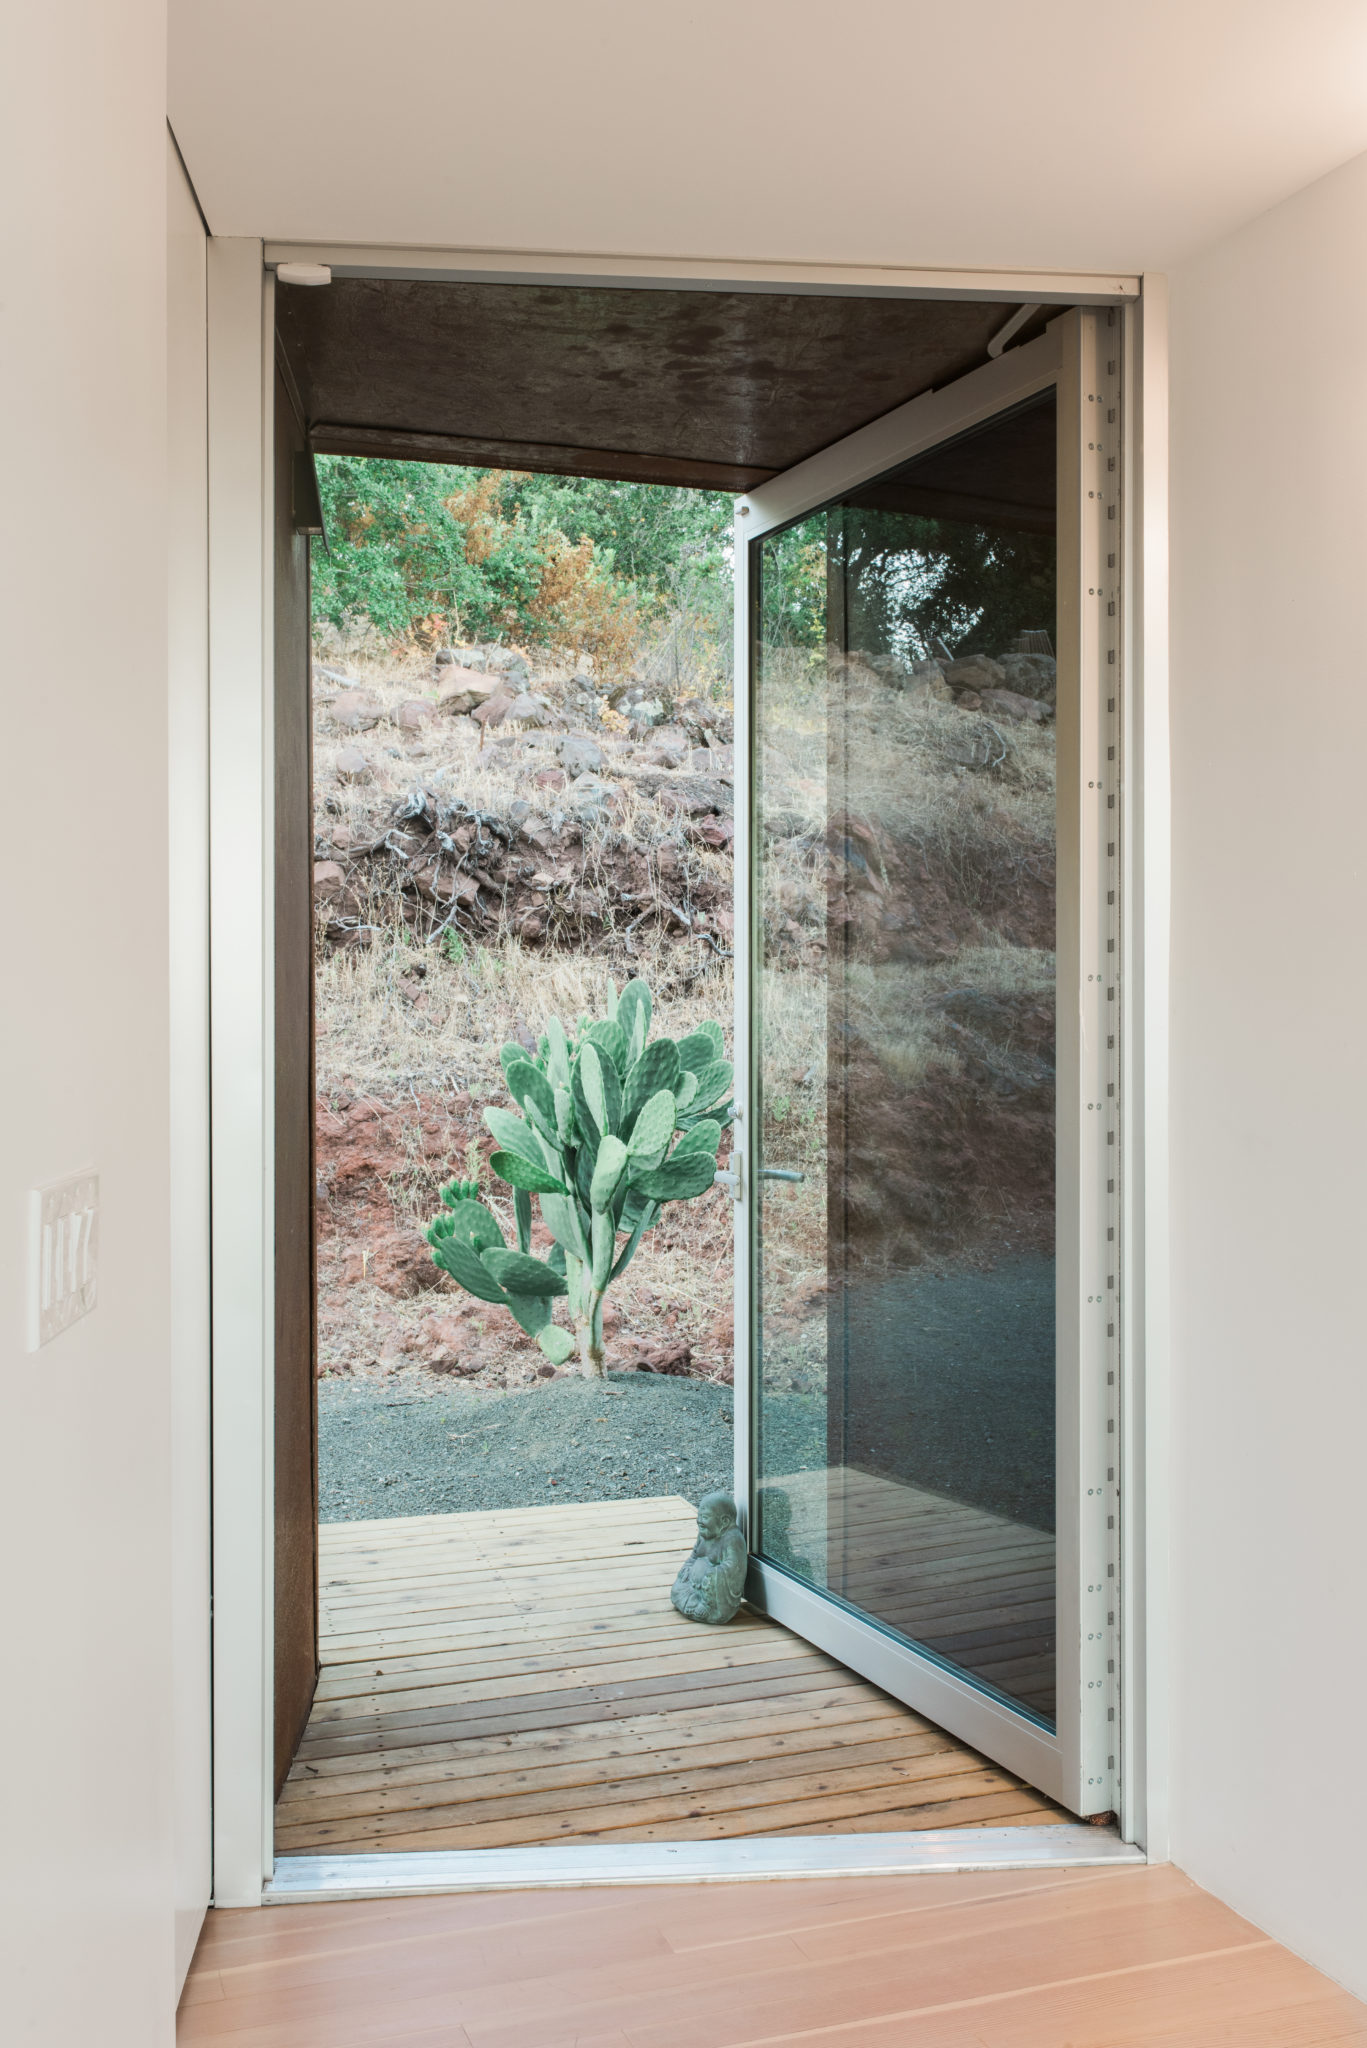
x=509 y=829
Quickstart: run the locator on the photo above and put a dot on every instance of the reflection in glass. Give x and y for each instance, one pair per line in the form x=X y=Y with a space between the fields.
x=905 y=857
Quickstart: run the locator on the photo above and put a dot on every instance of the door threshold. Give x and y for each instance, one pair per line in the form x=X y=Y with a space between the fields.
x=916 y=1853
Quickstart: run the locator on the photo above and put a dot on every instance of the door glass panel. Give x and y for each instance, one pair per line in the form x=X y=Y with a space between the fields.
x=904 y=827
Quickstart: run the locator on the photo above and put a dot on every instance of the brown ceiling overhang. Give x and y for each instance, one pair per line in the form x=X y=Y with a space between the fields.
x=712 y=389
x=618 y=465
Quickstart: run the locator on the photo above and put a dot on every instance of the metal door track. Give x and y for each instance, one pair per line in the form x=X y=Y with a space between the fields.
x=917 y=1853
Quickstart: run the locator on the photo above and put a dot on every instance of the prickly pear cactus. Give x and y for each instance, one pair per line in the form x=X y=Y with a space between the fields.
x=607 y=1129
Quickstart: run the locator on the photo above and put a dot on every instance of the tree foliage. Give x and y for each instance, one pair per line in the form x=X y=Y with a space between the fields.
x=907 y=583
x=430 y=552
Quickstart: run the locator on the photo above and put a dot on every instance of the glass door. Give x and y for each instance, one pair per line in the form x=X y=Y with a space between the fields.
x=924 y=1229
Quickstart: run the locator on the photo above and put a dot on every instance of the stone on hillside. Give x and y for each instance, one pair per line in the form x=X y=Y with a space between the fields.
x=355 y=712
x=329 y=880
x=1019 y=710
x=928 y=686
x=529 y=710
x=590 y=789
x=463 y=688
x=706 y=724
x=712 y=760
x=638 y=705
x=412 y=716
x=667 y=748
x=969 y=700
x=1031 y=675
x=713 y=832
x=695 y=795
x=975 y=672
x=579 y=755
x=493 y=710
x=352 y=766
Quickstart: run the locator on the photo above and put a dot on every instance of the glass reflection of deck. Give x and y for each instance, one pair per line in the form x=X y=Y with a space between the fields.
x=975 y=1588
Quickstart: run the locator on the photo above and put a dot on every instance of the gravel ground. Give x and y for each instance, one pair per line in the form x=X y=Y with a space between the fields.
x=384 y=1453
x=955 y=1392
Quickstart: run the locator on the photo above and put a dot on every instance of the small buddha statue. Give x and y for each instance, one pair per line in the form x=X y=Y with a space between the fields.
x=712 y=1578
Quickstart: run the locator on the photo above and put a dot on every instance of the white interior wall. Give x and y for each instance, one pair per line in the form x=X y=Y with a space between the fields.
x=188 y=804
x=1269 y=1128
x=85 y=1509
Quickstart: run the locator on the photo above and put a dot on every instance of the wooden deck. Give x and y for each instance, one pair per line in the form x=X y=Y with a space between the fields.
x=1023 y=1959
x=520 y=1677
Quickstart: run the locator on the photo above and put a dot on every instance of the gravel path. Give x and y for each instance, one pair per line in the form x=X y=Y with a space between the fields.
x=382 y=1452
x=954 y=1392
x=955 y=1389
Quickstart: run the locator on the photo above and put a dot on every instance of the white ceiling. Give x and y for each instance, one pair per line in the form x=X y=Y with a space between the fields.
x=1050 y=134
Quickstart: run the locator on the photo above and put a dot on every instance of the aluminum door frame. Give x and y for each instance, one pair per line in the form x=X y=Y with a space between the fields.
x=1080 y=354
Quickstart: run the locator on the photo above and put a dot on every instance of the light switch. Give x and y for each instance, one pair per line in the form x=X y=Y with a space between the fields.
x=64 y=1221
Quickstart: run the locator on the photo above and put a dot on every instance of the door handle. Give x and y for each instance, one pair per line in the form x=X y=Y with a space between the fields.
x=731 y=1177
x=780 y=1173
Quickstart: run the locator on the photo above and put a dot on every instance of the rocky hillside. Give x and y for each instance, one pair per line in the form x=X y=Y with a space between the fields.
x=490 y=845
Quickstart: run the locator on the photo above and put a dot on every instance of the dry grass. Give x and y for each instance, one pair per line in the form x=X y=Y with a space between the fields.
x=375 y=1037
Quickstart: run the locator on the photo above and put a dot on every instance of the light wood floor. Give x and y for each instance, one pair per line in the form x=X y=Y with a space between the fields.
x=520 y=1677
x=1056 y=1959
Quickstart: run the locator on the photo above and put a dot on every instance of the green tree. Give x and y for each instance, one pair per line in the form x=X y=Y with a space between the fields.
x=423 y=550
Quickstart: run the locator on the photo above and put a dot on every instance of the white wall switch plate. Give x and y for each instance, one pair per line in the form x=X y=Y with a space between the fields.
x=64 y=1231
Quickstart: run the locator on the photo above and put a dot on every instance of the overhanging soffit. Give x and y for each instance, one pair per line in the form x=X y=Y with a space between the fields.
x=718 y=390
